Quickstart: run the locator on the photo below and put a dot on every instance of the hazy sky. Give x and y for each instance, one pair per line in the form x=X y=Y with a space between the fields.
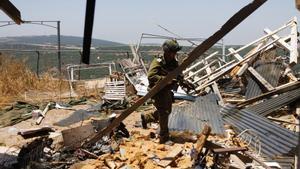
x=124 y=21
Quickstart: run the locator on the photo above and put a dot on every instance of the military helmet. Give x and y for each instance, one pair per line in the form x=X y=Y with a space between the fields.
x=171 y=46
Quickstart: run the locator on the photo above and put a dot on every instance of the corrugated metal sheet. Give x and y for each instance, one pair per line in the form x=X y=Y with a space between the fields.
x=268 y=106
x=276 y=141
x=268 y=70
x=195 y=115
x=252 y=88
x=286 y=162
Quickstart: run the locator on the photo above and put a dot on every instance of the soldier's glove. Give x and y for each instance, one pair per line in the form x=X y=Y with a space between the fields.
x=187 y=86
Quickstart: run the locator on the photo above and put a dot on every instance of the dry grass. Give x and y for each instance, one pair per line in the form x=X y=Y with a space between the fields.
x=16 y=78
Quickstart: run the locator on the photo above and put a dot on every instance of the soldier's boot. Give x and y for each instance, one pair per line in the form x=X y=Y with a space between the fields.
x=144 y=122
x=148 y=118
x=164 y=130
x=163 y=139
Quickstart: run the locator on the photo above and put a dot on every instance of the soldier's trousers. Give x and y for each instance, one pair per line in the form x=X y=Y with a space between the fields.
x=163 y=104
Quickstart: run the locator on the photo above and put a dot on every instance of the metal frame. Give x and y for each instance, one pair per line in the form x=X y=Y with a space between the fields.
x=190 y=40
x=43 y=23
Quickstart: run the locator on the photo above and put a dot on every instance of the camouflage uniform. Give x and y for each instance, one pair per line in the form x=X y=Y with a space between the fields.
x=164 y=98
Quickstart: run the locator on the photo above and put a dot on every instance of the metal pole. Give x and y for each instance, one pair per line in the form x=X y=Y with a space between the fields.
x=88 y=30
x=80 y=64
x=223 y=50
x=58 y=47
x=38 y=63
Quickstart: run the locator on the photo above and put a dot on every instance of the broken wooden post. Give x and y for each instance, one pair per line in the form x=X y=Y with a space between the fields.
x=202 y=139
x=192 y=56
x=43 y=114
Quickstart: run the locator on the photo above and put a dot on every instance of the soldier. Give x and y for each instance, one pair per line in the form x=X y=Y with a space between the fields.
x=159 y=68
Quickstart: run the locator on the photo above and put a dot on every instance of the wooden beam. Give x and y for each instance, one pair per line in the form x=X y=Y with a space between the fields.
x=11 y=11
x=215 y=86
x=294 y=42
x=229 y=150
x=235 y=20
x=280 y=42
x=262 y=38
x=277 y=90
x=261 y=80
x=216 y=71
x=199 y=63
x=202 y=69
x=228 y=69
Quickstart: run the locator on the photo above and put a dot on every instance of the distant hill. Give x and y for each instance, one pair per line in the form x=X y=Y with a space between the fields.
x=52 y=40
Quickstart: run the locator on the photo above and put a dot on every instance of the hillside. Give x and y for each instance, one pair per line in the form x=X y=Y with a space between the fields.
x=52 y=40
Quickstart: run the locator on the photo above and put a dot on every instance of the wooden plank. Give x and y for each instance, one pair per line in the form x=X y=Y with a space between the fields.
x=229 y=150
x=235 y=20
x=280 y=42
x=170 y=157
x=115 y=88
x=34 y=132
x=277 y=90
x=228 y=69
x=115 y=93
x=260 y=79
x=117 y=96
x=199 y=63
x=215 y=86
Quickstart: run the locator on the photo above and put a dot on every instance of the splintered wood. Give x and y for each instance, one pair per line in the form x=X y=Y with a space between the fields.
x=202 y=139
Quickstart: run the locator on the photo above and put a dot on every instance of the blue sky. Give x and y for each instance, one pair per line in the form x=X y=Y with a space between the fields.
x=124 y=21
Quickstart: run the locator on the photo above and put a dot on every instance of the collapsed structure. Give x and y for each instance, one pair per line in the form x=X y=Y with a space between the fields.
x=253 y=91
x=259 y=84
